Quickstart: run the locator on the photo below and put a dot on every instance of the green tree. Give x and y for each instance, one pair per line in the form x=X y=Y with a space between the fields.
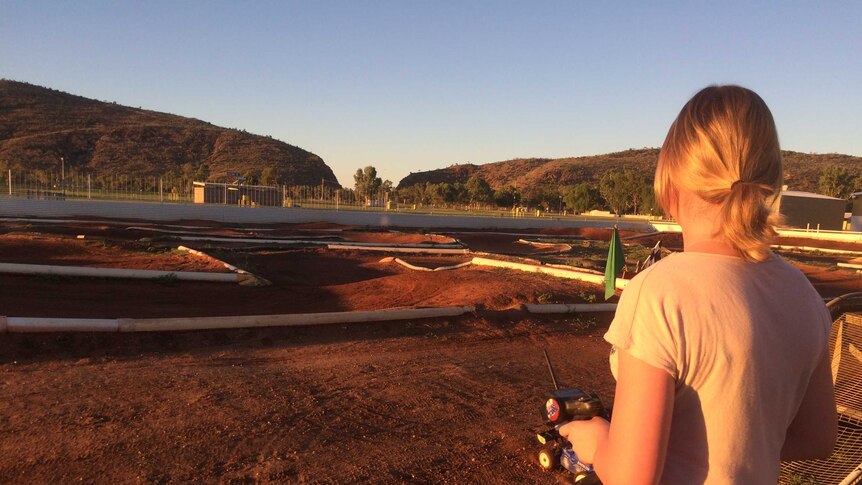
x=582 y=197
x=269 y=175
x=446 y=193
x=837 y=182
x=367 y=183
x=202 y=173
x=461 y=194
x=479 y=190
x=251 y=178
x=648 y=204
x=505 y=196
x=413 y=194
x=618 y=188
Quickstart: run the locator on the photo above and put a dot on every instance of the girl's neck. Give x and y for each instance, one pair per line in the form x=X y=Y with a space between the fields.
x=709 y=246
x=701 y=225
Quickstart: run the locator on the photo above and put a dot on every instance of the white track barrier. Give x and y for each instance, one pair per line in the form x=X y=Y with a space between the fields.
x=815 y=250
x=41 y=325
x=565 y=247
x=35 y=325
x=311 y=242
x=79 y=271
x=401 y=249
x=571 y=308
x=562 y=273
x=254 y=280
x=422 y=268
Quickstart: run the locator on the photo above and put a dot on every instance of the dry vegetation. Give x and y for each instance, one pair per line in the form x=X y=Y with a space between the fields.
x=801 y=170
x=39 y=125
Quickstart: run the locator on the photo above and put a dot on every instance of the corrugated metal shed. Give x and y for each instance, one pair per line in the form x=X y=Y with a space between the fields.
x=810 y=210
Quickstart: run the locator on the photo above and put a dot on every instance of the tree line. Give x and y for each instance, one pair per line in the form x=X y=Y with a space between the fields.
x=619 y=191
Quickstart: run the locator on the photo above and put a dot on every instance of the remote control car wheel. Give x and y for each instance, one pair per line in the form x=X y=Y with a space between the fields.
x=548 y=458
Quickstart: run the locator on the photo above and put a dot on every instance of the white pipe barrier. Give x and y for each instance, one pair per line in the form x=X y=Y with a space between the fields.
x=45 y=269
x=573 y=268
x=845 y=236
x=39 y=325
x=29 y=325
x=850 y=265
x=562 y=273
x=395 y=249
x=249 y=279
x=816 y=250
x=309 y=242
x=422 y=268
x=204 y=255
x=566 y=247
x=200 y=233
x=571 y=308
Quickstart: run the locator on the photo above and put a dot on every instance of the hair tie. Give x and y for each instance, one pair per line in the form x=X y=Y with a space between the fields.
x=735 y=183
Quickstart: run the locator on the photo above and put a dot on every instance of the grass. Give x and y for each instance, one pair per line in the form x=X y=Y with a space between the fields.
x=800 y=479
x=583 y=323
x=169 y=279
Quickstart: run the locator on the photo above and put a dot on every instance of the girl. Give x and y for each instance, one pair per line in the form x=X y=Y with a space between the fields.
x=720 y=351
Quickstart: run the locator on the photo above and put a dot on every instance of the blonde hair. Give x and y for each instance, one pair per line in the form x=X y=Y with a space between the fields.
x=724 y=148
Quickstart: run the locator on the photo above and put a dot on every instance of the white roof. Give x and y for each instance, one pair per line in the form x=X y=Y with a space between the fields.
x=810 y=195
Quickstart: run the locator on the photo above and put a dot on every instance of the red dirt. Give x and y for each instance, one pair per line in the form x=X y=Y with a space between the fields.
x=506 y=244
x=831 y=282
x=53 y=250
x=436 y=401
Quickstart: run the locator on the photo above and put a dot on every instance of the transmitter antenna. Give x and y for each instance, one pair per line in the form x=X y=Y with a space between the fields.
x=551 y=369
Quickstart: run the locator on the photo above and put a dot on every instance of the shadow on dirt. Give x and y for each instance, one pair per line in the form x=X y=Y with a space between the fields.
x=484 y=325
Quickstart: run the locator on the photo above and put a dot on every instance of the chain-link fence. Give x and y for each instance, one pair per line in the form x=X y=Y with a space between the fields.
x=75 y=185
x=72 y=184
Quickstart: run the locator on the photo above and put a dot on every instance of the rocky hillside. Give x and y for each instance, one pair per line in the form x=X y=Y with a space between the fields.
x=801 y=170
x=39 y=125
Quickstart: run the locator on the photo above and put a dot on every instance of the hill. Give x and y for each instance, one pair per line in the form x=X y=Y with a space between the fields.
x=39 y=125
x=801 y=170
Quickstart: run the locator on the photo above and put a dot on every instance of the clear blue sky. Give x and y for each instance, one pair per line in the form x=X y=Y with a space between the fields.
x=417 y=85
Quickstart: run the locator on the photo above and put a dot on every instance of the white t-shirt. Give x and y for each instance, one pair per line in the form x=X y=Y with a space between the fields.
x=741 y=340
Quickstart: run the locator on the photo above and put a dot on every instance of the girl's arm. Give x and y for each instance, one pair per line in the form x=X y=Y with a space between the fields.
x=632 y=450
x=812 y=433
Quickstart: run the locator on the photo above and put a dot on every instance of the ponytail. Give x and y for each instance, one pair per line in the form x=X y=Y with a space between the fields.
x=748 y=220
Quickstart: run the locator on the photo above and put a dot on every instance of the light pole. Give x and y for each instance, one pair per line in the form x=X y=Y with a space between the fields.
x=63 y=175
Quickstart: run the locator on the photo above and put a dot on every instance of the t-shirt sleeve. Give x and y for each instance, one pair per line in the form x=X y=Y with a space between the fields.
x=642 y=327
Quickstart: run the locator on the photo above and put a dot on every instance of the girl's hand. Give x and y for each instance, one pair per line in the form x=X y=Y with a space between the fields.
x=586 y=437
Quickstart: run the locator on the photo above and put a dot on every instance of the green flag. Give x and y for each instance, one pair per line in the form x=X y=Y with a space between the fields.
x=614 y=266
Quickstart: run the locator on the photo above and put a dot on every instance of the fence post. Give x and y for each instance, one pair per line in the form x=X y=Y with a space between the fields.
x=161 y=197
x=89 y=195
x=10 y=182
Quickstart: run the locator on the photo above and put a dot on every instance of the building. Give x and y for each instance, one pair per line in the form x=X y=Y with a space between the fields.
x=236 y=194
x=856 y=214
x=806 y=210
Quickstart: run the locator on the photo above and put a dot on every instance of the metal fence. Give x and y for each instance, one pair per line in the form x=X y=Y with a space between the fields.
x=75 y=185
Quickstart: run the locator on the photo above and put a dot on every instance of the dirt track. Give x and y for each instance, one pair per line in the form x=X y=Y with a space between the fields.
x=441 y=401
